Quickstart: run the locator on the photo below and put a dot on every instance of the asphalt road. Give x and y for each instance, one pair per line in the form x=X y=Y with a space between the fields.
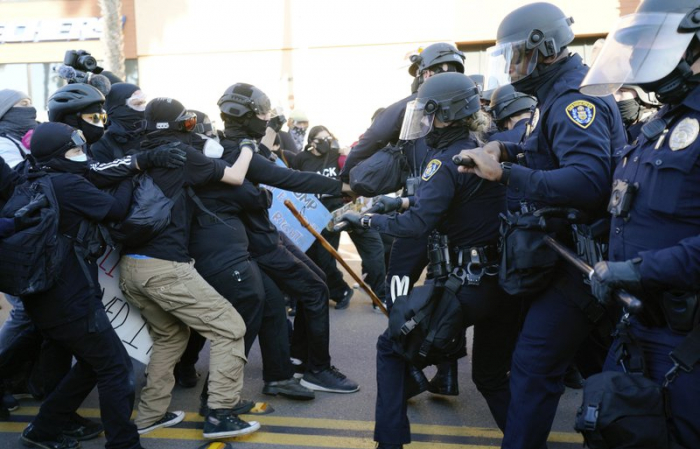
x=332 y=420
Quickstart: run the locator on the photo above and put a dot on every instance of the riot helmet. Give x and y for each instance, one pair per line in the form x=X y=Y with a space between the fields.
x=649 y=48
x=241 y=99
x=436 y=55
x=507 y=102
x=73 y=98
x=447 y=97
x=523 y=35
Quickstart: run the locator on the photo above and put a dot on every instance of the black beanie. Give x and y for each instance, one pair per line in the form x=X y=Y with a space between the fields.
x=51 y=139
x=161 y=110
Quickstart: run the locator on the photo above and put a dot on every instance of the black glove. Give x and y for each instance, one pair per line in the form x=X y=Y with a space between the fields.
x=28 y=216
x=166 y=156
x=248 y=143
x=276 y=123
x=353 y=218
x=385 y=204
x=610 y=276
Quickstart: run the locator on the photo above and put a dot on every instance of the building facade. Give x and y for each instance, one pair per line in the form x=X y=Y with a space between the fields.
x=337 y=60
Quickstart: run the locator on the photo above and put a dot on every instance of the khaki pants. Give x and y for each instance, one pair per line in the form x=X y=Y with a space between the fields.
x=172 y=298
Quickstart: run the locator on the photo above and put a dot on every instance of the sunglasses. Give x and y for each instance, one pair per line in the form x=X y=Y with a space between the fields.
x=95 y=118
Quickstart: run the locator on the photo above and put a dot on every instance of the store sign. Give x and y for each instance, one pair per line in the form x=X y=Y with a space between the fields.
x=47 y=30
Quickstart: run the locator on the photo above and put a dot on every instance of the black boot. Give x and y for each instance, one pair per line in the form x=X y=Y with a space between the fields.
x=415 y=382
x=445 y=380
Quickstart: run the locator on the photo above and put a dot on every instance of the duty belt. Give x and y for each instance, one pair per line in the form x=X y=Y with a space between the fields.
x=472 y=263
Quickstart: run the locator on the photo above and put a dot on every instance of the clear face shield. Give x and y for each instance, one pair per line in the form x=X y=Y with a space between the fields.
x=643 y=48
x=417 y=122
x=507 y=63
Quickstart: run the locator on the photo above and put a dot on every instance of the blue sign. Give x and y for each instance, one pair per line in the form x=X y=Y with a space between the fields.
x=308 y=206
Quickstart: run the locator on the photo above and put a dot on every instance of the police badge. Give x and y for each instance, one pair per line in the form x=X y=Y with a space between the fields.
x=581 y=112
x=432 y=168
x=684 y=134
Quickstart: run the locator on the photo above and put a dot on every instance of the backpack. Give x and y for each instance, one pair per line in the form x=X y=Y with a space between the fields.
x=31 y=260
x=426 y=326
x=383 y=172
x=148 y=215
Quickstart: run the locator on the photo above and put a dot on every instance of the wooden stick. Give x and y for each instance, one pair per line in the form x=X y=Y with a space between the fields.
x=337 y=256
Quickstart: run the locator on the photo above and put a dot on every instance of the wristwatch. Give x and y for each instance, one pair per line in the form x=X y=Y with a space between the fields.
x=505 y=172
x=366 y=221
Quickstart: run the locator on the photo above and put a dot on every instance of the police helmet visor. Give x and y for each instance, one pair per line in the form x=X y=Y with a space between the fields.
x=643 y=48
x=417 y=121
x=507 y=63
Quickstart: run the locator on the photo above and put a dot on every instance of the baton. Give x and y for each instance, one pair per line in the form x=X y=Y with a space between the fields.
x=464 y=161
x=630 y=302
x=337 y=257
x=341 y=225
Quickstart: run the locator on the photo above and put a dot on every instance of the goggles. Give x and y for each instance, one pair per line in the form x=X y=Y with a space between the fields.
x=77 y=139
x=95 y=118
x=186 y=122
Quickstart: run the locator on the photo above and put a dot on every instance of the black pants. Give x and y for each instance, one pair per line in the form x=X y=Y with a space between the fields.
x=273 y=336
x=297 y=275
x=102 y=361
x=406 y=263
x=241 y=284
x=495 y=317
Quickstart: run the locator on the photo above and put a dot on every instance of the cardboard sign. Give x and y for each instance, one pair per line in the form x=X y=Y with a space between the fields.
x=307 y=204
x=125 y=318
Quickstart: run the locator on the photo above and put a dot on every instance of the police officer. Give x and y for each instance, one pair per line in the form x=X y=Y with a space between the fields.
x=567 y=163
x=660 y=267
x=511 y=111
x=636 y=106
x=446 y=112
x=407 y=258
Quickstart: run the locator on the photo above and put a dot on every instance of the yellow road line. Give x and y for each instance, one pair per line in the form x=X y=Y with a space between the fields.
x=315 y=423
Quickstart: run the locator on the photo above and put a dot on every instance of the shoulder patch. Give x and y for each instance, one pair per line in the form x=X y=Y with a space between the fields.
x=581 y=112
x=432 y=168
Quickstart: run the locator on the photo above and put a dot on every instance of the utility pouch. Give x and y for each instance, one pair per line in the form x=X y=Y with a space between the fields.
x=526 y=261
x=592 y=240
x=681 y=310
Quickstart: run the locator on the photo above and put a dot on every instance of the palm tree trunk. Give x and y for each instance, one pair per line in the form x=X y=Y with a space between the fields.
x=112 y=36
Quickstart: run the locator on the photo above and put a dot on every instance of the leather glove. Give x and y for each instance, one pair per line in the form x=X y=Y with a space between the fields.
x=166 y=156
x=610 y=276
x=249 y=143
x=352 y=218
x=276 y=123
x=385 y=204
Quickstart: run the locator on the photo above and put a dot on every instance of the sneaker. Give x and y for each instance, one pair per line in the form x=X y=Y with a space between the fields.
x=29 y=438
x=82 y=429
x=186 y=375
x=299 y=367
x=223 y=423
x=244 y=406
x=330 y=380
x=169 y=419
x=290 y=388
x=344 y=302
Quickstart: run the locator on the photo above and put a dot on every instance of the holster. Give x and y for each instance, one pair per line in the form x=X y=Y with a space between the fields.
x=681 y=310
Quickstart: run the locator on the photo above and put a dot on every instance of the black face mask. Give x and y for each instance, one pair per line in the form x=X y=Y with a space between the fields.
x=323 y=146
x=256 y=127
x=440 y=138
x=629 y=110
x=92 y=133
x=541 y=76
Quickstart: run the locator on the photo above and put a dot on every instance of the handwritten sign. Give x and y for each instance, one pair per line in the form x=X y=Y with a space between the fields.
x=307 y=204
x=126 y=319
